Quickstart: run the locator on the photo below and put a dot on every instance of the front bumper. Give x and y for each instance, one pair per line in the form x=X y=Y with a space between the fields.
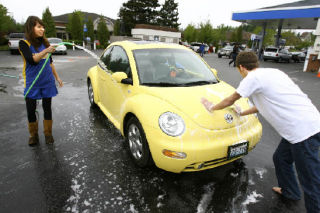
x=204 y=149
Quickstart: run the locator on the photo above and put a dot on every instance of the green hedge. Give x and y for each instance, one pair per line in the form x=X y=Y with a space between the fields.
x=4 y=47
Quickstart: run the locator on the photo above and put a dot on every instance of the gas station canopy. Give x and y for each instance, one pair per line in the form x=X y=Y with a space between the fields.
x=296 y=15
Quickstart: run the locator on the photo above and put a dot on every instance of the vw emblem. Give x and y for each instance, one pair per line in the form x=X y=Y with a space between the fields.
x=228 y=117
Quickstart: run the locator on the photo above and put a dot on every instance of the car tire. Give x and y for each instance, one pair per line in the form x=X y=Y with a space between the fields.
x=219 y=56
x=137 y=144
x=91 y=95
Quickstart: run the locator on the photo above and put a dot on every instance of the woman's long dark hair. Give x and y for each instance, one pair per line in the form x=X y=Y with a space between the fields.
x=30 y=35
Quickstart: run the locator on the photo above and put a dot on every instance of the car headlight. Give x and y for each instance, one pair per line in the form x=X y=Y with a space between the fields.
x=171 y=124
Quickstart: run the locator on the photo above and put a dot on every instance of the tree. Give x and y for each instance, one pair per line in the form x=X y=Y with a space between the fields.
x=75 y=25
x=205 y=33
x=103 y=32
x=49 y=23
x=90 y=32
x=190 y=33
x=291 y=38
x=138 y=12
x=116 y=28
x=7 y=24
x=168 y=14
x=219 y=34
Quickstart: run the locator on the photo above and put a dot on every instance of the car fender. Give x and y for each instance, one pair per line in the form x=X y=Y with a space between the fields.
x=93 y=76
x=147 y=109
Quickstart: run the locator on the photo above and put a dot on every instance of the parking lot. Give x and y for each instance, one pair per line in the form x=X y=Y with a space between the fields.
x=88 y=170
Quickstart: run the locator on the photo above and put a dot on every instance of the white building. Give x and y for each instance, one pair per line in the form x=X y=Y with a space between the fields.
x=156 y=33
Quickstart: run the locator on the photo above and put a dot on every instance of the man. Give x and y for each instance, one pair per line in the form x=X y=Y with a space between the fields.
x=281 y=102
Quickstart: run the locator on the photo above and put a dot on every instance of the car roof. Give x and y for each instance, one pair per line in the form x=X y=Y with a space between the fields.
x=132 y=45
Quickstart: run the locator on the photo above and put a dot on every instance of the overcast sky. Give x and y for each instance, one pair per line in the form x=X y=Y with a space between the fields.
x=190 y=11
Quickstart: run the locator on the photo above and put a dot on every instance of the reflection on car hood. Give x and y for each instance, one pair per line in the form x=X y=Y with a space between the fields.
x=187 y=100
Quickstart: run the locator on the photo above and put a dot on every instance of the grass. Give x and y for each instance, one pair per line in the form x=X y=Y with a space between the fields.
x=4 y=47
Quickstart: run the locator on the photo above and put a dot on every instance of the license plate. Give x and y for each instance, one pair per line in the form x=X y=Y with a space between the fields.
x=238 y=149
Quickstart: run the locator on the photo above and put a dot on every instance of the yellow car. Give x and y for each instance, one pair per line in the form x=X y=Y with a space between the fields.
x=152 y=92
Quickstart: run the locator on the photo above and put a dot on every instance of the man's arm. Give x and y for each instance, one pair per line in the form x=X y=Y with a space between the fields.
x=249 y=111
x=223 y=104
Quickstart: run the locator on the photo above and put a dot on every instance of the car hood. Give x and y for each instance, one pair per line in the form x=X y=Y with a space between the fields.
x=188 y=101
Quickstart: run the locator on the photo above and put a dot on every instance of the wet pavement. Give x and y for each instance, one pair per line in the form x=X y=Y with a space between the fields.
x=87 y=169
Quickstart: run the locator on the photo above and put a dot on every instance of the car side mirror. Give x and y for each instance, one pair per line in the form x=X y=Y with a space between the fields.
x=121 y=77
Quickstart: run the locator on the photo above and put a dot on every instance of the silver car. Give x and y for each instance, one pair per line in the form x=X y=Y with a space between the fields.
x=276 y=54
x=60 y=49
x=225 y=51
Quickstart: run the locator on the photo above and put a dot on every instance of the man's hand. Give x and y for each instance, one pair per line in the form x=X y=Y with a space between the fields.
x=207 y=104
x=237 y=109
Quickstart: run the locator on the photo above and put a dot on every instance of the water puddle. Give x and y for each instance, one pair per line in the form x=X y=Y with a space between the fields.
x=3 y=88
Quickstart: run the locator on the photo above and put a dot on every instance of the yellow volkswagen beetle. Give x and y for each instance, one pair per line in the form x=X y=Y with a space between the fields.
x=152 y=91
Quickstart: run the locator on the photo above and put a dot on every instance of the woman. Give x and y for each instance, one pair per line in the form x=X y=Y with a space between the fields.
x=34 y=50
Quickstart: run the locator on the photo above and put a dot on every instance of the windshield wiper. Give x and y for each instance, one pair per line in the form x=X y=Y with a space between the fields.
x=200 y=83
x=161 y=84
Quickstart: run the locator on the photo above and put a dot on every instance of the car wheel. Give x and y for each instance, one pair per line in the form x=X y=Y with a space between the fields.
x=137 y=144
x=91 y=94
x=219 y=56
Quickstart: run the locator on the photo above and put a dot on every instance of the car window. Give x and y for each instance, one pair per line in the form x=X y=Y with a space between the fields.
x=16 y=35
x=105 y=59
x=54 y=40
x=284 y=51
x=172 y=66
x=119 y=61
x=274 y=50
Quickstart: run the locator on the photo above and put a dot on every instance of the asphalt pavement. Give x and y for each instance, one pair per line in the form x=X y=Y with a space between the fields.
x=87 y=169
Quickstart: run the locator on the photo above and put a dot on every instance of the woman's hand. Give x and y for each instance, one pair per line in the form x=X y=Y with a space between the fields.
x=50 y=49
x=60 y=82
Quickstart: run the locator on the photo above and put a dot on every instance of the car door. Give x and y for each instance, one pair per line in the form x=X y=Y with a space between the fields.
x=104 y=76
x=118 y=92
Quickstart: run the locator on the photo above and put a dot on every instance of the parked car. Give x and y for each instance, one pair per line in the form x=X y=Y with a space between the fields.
x=196 y=45
x=151 y=92
x=298 y=56
x=61 y=48
x=276 y=54
x=13 y=42
x=225 y=51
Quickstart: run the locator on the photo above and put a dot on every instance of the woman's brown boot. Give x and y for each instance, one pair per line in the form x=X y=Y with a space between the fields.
x=47 y=126
x=33 y=130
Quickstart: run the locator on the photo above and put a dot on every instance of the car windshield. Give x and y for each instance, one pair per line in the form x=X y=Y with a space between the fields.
x=16 y=35
x=228 y=47
x=271 y=50
x=171 y=67
x=54 y=40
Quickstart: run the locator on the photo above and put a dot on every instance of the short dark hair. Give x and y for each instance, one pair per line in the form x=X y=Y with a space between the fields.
x=249 y=60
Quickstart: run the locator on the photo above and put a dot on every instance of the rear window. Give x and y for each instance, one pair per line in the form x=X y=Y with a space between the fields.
x=16 y=35
x=271 y=50
x=54 y=40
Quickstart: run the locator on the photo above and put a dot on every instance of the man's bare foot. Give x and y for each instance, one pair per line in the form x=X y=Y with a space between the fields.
x=277 y=190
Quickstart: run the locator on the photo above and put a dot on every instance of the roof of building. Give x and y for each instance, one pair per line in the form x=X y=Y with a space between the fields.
x=65 y=17
x=155 y=27
x=297 y=15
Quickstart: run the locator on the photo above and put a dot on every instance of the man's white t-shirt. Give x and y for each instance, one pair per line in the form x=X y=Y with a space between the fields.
x=282 y=103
